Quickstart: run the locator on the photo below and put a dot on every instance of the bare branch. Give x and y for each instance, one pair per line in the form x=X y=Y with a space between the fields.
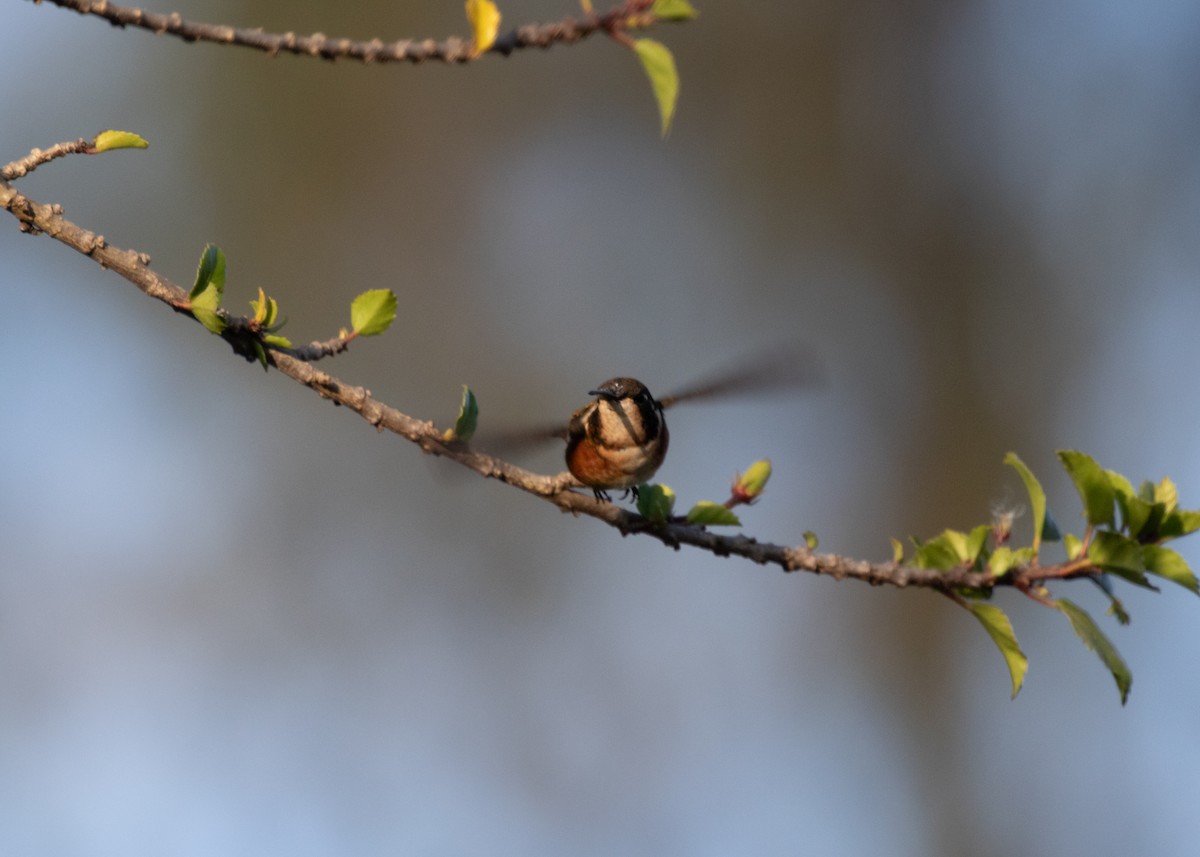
x=631 y=14
x=29 y=163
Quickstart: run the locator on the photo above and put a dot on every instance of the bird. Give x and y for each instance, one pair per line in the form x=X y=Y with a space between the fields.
x=619 y=439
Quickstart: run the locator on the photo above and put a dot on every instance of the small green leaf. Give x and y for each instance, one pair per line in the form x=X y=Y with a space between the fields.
x=1119 y=555
x=1087 y=630
x=1037 y=496
x=1000 y=629
x=1073 y=545
x=468 y=418
x=1093 y=484
x=106 y=141
x=210 y=319
x=940 y=552
x=976 y=541
x=1002 y=560
x=1050 y=531
x=210 y=279
x=655 y=502
x=261 y=353
x=897 y=551
x=1169 y=565
x=659 y=64
x=373 y=312
x=709 y=514
x=810 y=540
x=673 y=10
x=754 y=480
x=1005 y=558
x=277 y=341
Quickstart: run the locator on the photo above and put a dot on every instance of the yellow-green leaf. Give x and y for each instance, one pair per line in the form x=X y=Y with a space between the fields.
x=1000 y=629
x=209 y=318
x=484 y=16
x=106 y=141
x=373 y=312
x=1037 y=496
x=1094 y=486
x=659 y=64
x=1169 y=565
x=707 y=513
x=673 y=10
x=754 y=480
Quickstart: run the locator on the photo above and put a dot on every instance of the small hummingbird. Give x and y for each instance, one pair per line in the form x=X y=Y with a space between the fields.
x=619 y=439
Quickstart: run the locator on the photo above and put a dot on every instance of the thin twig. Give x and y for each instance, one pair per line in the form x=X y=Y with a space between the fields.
x=631 y=14
x=29 y=163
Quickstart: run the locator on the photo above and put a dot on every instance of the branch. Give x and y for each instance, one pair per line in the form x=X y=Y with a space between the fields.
x=39 y=218
x=632 y=14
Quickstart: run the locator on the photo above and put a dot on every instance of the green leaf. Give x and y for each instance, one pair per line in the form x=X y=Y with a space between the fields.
x=1050 y=531
x=373 y=312
x=1141 y=518
x=940 y=552
x=1037 y=496
x=709 y=514
x=106 y=141
x=1181 y=522
x=210 y=279
x=277 y=341
x=1169 y=565
x=659 y=64
x=1000 y=629
x=1001 y=560
x=976 y=541
x=655 y=502
x=897 y=551
x=266 y=309
x=673 y=10
x=1166 y=493
x=468 y=418
x=810 y=540
x=261 y=353
x=1119 y=555
x=1121 y=485
x=1093 y=484
x=1073 y=545
x=1098 y=643
x=1005 y=558
x=210 y=319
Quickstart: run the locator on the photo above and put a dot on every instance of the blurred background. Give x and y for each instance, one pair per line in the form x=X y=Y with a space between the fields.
x=236 y=620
